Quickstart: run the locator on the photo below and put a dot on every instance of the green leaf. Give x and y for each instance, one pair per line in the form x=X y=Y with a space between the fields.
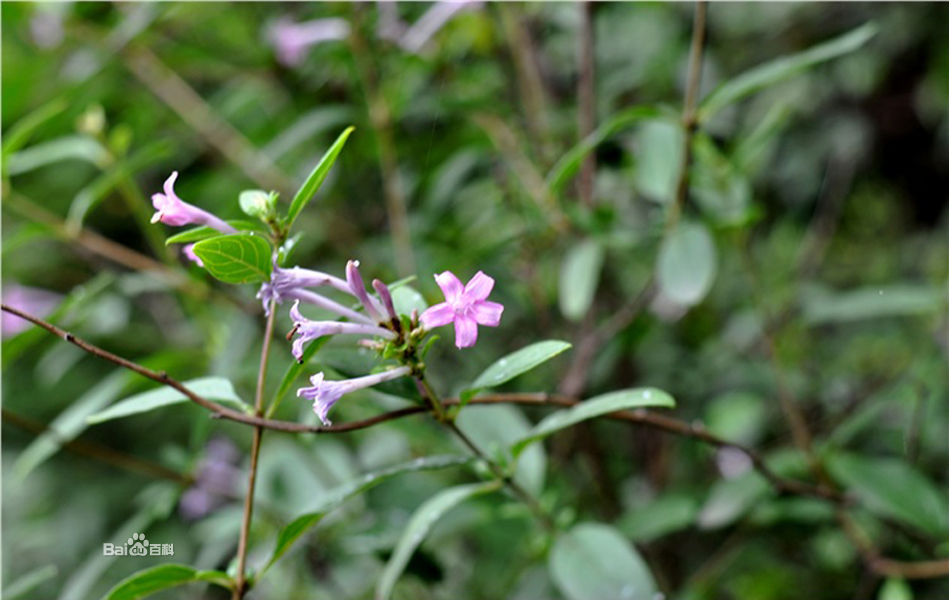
x=729 y=499
x=825 y=306
x=579 y=275
x=195 y=234
x=895 y=588
x=592 y=408
x=212 y=388
x=236 y=258
x=70 y=423
x=772 y=72
x=258 y=203
x=28 y=582
x=419 y=526
x=336 y=497
x=20 y=133
x=147 y=582
x=658 y=159
x=315 y=179
x=405 y=298
x=593 y=562
x=892 y=488
x=516 y=363
x=568 y=165
x=666 y=514
x=686 y=264
x=71 y=147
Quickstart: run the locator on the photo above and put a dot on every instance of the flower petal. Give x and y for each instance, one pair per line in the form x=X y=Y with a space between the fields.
x=487 y=313
x=438 y=315
x=479 y=287
x=169 y=186
x=450 y=285
x=295 y=313
x=466 y=331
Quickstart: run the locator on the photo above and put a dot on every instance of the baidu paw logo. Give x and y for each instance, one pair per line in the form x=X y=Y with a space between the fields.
x=137 y=545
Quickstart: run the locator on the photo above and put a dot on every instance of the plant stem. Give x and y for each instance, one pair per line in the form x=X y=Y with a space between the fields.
x=689 y=120
x=240 y=586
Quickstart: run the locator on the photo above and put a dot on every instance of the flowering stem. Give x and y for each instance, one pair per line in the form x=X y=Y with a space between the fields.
x=240 y=586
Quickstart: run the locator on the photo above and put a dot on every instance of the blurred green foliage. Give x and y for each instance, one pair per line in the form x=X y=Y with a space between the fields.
x=810 y=261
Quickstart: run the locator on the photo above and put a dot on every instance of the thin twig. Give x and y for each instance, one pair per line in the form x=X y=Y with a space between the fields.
x=98 y=452
x=381 y=118
x=240 y=586
x=586 y=98
x=689 y=120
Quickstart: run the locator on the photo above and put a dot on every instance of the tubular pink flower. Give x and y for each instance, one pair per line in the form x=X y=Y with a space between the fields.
x=172 y=210
x=290 y=284
x=358 y=288
x=325 y=394
x=467 y=306
x=291 y=40
x=310 y=330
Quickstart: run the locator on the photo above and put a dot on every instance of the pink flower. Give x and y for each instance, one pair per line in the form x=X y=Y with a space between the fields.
x=172 y=210
x=466 y=306
x=324 y=394
x=291 y=40
x=188 y=251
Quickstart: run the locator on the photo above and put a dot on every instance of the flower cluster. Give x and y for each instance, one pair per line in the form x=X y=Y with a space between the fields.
x=366 y=315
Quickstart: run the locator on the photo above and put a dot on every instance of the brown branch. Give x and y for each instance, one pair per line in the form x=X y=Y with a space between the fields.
x=885 y=566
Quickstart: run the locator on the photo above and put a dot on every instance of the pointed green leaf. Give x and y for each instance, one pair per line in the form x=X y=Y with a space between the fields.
x=336 y=497
x=212 y=388
x=593 y=562
x=236 y=258
x=519 y=362
x=772 y=72
x=316 y=177
x=592 y=408
x=147 y=582
x=420 y=524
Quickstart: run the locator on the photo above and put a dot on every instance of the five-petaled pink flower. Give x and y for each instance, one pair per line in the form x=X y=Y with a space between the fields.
x=172 y=210
x=467 y=306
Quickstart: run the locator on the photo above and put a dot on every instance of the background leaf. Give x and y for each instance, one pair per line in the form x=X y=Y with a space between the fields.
x=579 y=275
x=593 y=562
x=418 y=527
x=592 y=408
x=212 y=388
x=687 y=263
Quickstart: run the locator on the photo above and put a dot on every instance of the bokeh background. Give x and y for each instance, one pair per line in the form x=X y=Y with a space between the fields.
x=824 y=196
